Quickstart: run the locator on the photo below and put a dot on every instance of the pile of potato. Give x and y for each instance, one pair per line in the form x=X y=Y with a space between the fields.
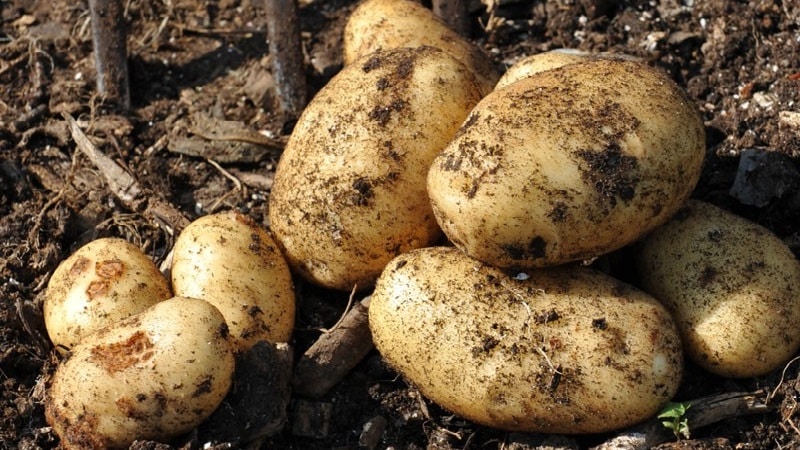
x=152 y=359
x=568 y=158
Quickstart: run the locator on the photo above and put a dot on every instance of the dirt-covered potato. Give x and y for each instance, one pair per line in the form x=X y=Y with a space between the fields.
x=154 y=375
x=559 y=350
x=539 y=62
x=553 y=59
x=389 y=24
x=733 y=286
x=234 y=264
x=568 y=164
x=104 y=281
x=349 y=192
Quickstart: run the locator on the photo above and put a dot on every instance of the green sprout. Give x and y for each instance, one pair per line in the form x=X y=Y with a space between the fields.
x=675 y=415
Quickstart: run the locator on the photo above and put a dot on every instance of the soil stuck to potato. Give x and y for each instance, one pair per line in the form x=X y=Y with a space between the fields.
x=198 y=139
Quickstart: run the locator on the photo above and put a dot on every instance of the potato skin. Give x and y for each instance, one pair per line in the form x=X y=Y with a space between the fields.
x=569 y=350
x=539 y=62
x=390 y=24
x=155 y=375
x=568 y=164
x=104 y=281
x=733 y=286
x=231 y=262
x=349 y=191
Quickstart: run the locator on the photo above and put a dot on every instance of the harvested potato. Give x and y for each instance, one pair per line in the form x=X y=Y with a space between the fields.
x=104 y=281
x=390 y=24
x=733 y=286
x=349 y=192
x=568 y=164
x=229 y=261
x=565 y=350
x=539 y=62
x=154 y=375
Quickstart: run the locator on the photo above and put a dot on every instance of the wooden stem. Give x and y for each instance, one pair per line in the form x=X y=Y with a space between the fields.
x=335 y=353
x=285 y=48
x=110 y=51
x=455 y=13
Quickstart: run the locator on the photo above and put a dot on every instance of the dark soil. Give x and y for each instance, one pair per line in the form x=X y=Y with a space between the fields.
x=200 y=66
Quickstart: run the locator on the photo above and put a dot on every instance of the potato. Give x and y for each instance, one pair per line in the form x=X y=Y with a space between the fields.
x=154 y=375
x=234 y=264
x=567 y=350
x=733 y=286
x=349 y=192
x=540 y=62
x=568 y=164
x=390 y=24
x=104 y=281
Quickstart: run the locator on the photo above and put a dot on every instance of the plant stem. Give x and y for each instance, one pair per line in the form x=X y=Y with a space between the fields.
x=110 y=50
x=285 y=48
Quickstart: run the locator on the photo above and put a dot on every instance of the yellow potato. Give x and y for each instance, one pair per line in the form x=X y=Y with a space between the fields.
x=567 y=350
x=389 y=24
x=349 y=191
x=540 y=62
x=154 y=375
x=104 y=281
x=733 y=286
x=234 y=264
x=568 y=164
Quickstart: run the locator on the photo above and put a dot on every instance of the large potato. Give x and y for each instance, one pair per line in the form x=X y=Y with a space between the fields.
x=229 y=261
x=349 y=192
x=567 y=350
x=155 y=375
x=568 y=164
x=733 y=286
x=389 y=24
x=104 y=281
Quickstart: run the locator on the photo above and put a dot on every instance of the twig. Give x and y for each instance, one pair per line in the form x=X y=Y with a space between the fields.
x=111 y=52
x=455 y=13
x=286 y=52
x=704 y=411
x=335 y=353
x=124 y=186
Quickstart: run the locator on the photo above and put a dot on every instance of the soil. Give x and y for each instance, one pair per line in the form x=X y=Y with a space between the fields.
x=200 y=68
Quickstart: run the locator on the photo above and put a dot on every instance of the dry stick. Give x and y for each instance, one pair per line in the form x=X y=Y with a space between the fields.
x=124 y=186
x=110 y=51
x=286 y=52
x=703 y=411
x=335 y=353
x=455 y=13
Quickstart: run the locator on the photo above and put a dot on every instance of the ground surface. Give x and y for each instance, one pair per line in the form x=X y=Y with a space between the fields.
x=196 y=63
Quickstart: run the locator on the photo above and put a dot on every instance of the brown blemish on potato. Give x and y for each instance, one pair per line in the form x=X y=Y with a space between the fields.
x=364 y=191
x=130 y=408
x=203 y=387
x=382 y=114
x=535 y=249
x=118 y=356
x=108 y=271
x=611 y=173
x=80 y=265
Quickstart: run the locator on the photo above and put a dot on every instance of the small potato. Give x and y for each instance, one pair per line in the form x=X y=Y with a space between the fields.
x=390 y=24
x=568 y=164
x=733 y=286
x=104 y=281
x=154 y=375
x=229 y=261
x=567 y=350
x=349 y=192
